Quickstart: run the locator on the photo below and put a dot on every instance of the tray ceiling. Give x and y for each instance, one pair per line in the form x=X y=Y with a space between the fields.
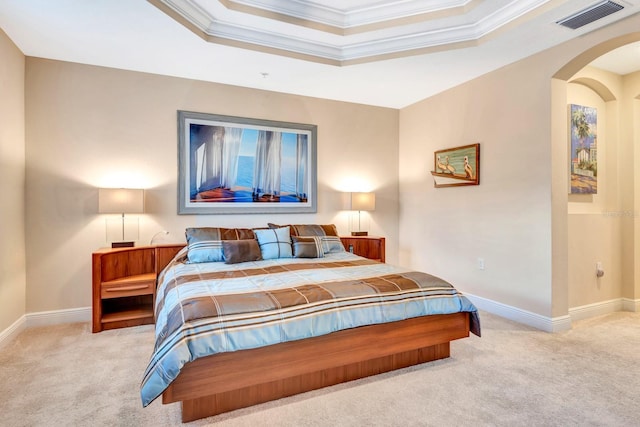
x=384 y=53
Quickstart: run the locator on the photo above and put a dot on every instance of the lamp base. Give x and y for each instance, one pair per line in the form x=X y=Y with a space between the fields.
x=122 y=244
x=359 y=233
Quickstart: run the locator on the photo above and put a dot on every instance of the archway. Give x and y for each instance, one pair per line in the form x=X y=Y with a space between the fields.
x=615 y=212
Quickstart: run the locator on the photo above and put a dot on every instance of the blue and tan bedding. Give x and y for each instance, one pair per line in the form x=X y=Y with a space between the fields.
x=205 y=308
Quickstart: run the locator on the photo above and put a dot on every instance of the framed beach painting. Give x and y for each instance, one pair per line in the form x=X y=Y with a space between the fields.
x=458 y=166
x=233 y=165
x=583 y=123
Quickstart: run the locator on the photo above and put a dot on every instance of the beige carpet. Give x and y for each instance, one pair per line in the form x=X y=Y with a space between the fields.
x=512 y=376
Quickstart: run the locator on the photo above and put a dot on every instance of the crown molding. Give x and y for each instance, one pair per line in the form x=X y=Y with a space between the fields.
x=318 y=46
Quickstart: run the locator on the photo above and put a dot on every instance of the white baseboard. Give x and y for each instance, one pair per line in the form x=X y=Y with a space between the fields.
x=556 y=324
x=13 y=331
x=44 y=318
x=596 y=309
x=631 y=304
x=547 y=324
x=56 y=317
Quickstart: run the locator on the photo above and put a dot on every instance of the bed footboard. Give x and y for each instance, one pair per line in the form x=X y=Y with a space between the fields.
x=229 y=381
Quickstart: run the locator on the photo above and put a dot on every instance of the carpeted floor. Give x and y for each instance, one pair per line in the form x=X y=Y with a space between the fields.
x=512 y=376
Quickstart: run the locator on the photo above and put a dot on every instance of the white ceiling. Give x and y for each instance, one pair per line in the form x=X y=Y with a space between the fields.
x=196 y=39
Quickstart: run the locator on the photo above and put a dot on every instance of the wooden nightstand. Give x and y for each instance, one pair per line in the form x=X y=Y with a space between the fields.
x=124 y=284
x=366 y=246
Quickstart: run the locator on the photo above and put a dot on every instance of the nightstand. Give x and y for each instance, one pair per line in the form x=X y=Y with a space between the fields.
x=366 y=246
x=124 y=284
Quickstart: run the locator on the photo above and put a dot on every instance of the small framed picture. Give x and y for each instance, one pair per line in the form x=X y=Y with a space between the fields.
x=453 y=167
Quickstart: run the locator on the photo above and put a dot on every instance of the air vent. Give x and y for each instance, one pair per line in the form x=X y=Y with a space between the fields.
x=590 y=14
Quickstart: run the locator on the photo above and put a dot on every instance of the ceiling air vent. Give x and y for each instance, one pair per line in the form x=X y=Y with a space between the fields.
x=590 y=14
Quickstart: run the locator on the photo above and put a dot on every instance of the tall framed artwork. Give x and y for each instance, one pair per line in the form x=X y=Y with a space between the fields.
x=231 y=165
x=583 y=140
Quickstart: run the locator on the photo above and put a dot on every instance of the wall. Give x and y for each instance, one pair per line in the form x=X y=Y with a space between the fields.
x=630 y=136
x=506 y=220
x=90 y=127
x=12 y=179
x=595 y=220
x=516 y=220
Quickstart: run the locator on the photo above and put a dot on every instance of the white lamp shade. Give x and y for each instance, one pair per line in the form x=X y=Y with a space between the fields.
x=363 y=201
x=120 y=200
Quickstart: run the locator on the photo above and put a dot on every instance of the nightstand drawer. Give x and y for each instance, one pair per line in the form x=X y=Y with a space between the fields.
x=142 y=284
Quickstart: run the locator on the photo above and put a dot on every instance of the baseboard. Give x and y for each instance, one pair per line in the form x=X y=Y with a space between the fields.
x=13 y=331
x=596 y=309
x=631 y=304
x=547 y=324
x=56 y=317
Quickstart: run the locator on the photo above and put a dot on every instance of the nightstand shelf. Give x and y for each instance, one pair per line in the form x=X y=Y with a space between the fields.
x=140 y=311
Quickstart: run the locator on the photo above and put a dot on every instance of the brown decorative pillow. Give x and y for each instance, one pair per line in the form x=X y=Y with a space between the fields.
x=307 y=247
x=236 y=251
x=217 y=233
x=310 y=229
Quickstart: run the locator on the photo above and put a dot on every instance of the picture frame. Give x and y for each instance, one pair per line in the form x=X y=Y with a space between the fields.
x=238 y=165
x=458 y=166
x=583 y=146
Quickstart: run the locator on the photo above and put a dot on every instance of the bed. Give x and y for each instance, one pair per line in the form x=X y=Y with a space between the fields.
x=242 y=318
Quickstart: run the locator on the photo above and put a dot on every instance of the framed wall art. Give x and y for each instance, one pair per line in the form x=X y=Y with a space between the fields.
x=232 y=165
x=454 y=167
x=583 y=140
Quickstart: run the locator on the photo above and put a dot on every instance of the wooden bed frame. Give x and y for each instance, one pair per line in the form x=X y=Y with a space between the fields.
x=228 y=381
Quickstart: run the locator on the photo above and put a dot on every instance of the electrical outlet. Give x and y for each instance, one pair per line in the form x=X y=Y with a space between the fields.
x=599 y=270
x=480 y=263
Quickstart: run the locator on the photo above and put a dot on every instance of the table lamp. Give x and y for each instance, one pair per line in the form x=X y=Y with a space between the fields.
x=121 y=201
x=362 y=202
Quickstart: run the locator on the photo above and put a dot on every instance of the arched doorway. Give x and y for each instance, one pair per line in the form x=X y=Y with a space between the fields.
x=605 y=227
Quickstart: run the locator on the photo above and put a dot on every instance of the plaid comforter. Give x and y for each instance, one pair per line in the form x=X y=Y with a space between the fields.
x=208 y=308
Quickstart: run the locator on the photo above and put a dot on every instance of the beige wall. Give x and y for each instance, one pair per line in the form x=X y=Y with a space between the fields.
x=595 y=220
x=630 y=135
x=90 y=127
x=516 y=220
x=12 y=178
x=506 y=220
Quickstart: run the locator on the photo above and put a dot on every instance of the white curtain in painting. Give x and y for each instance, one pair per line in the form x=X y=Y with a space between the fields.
x=302 y=174
x=266 y=175
x=209 y=158
x=217 y=157
x=230 y=153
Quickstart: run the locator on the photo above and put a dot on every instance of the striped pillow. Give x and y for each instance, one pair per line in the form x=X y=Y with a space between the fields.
x=309 y=229
x=205 y=251
x=331 y=244
x=204 y=244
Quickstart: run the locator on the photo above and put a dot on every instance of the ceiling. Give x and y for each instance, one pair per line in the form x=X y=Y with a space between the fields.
x=388 y=53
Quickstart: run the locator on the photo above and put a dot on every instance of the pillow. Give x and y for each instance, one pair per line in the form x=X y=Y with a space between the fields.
x=274 y=243
x=236 y=251
x=204 y=244
x=307 y=247
x=331 y=244
x=310 y=229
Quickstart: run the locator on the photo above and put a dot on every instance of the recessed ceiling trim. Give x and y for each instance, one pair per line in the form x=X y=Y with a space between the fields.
x=349 y=18
x=319 y=24
x=216 y=30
